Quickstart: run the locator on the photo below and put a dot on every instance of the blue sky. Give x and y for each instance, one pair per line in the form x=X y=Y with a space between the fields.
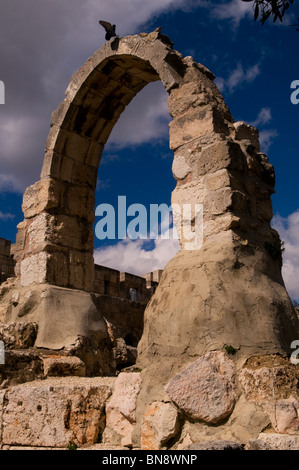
x=254 y=67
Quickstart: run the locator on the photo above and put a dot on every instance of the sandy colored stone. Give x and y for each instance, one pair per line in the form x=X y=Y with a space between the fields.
x=272 y=441
x=160 y=423
x=19 y=335
x=190 y=125
x=63 y=365
x=246 y=132
x=43 y=195
x=287 y=419
x=121 y=408
x=244 y=423
x=34 y=269
x=271 y=382
x=213 y=313
x=20 y=366
x=180 y=168
x=55 y=412
x=204 y=390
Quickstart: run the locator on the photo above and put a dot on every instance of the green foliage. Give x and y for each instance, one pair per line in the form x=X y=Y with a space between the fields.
x=275 y=249
x=72 y=446
x=230 y=349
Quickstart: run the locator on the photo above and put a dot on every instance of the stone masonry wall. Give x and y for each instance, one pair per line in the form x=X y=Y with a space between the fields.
x=7 y=263
x=106 y=280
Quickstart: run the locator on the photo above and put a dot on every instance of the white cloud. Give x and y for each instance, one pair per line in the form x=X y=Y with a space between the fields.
x=133 y=257
x=235 y=10
x=144 y=120
x=288 y=229
x=238 y=77
x=40 y=52
x=6 y=216
x=263 y=117
x=267 y=137
x=22 y=150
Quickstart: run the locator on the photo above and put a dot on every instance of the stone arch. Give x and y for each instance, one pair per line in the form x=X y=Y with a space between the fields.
x=55 y=241
x=217 y=163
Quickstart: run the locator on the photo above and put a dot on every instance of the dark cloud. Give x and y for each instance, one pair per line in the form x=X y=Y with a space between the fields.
x=42 y=44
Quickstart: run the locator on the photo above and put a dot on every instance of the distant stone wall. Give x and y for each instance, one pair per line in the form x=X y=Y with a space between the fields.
x=106 y=280
x=7 y=263
x=124 y=285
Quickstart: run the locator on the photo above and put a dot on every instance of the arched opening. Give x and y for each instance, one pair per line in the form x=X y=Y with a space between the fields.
x=134 y=178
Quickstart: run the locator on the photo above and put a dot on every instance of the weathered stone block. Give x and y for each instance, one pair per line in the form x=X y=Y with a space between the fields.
x=180 y=169
x=20 y=366
x=51 y=165
x=19 y=335
x=190 y=126
x=61 y=366
x=121 y=408
x=272 y=441
x=81 y=202
x=20 y=238
x=44 y=195
x=94 y=154
x=244 y=131
x=55 y=412
x=220 y=155
x=160 y=423
x=84 y=175
x=34 y=269
x=59 y=230
x=218 y=180
x=66 y=169
x=287 y=415
x=205 y=389
x=82 y=274
x=76 y=147
x=45 y=267
x=77 y=78
x=271 y=382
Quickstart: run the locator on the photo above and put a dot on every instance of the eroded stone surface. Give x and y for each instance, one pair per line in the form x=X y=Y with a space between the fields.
x=204 y=390
x=20 y=366
x=19 y=335
x=55 y=412
x=272 y=383
x=272 y=441
x=121 y=409
x=160 y=423
x=63 y=365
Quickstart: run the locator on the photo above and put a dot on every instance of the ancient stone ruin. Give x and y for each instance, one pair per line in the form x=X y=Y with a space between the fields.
x=214 y=365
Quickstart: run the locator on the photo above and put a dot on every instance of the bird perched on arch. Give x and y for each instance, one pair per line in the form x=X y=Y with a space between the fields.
x=109 y=28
